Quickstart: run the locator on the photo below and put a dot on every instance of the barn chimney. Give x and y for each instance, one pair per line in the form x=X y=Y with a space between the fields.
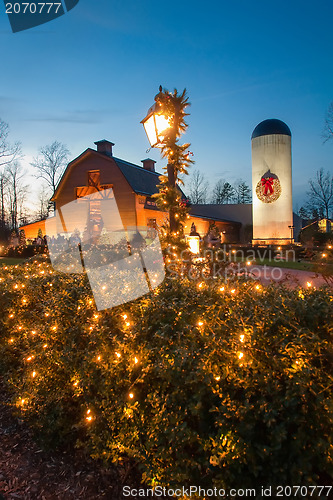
x=104 y=147
x=149 y=164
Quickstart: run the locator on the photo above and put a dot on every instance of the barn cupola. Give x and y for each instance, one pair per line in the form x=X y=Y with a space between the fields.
x=104 y=147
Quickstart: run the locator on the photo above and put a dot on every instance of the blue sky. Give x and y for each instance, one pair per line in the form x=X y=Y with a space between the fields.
x=93 y=73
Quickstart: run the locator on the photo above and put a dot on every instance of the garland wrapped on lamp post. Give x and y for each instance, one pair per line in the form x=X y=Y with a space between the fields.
x=164 y=124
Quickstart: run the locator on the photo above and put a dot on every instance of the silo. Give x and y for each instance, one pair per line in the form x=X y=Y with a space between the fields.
x=271 y=183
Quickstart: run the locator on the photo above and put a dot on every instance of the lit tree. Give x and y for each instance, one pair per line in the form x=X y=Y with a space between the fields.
x=173 y=106
x=198 y=188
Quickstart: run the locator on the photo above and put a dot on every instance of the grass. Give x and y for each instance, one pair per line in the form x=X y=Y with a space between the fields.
x=299 y=266
x=10 y=261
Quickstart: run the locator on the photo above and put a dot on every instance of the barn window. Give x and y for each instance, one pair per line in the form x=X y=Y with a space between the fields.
x=94 y=178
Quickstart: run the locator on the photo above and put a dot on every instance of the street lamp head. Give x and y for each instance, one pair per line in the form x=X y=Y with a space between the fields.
x=156 y=123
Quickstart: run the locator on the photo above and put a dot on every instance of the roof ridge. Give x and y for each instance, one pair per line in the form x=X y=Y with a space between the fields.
x=136 y=166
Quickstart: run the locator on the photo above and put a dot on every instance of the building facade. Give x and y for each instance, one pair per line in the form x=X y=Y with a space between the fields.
x=133 y=187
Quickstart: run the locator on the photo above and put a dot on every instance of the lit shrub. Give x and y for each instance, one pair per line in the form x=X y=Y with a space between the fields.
x=197 y=384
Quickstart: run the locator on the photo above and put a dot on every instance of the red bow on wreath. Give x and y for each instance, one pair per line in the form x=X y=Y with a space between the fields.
x=267 y=183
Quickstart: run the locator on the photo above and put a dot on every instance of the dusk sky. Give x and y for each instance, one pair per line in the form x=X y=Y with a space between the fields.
x=93 y=73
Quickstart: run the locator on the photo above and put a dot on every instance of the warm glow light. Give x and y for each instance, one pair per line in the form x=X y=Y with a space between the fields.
x=118 y=355
x=30 y=358
x=222 y=289
x=155 y=125
x=233 y=290
x=258 y=287
x=99 y=358
x=193 y=244
x=131 y=395
x=162 y=124
x=241 y=338
x=217 y=378
x=200 y=323
x=200 y=285
x=248 y=263
x=324 y=255
x=136 y=360
x=240 y=355
x=309 y=284
x=34 y=374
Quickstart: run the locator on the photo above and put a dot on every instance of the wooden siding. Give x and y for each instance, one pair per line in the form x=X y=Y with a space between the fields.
x=109 y=174
x=31 y=230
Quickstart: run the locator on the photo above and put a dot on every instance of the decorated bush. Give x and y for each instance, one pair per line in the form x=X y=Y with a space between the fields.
x=200 y=383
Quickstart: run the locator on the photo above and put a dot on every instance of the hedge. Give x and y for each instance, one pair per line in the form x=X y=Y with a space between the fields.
x=210 y=384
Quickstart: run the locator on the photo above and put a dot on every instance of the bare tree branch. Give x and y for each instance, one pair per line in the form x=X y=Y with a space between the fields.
x=223 y=192
x=321 y=193
x=50 y=163
x=198 y=188
x=328 y=127
x=8 y=152
x=16 y=192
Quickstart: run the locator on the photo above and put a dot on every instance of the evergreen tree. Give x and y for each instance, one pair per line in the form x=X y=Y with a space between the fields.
x=303 y=213
x=228 y=192
x=242 y=192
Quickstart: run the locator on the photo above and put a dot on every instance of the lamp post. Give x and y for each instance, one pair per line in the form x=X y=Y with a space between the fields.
x=164 y=124
x=291 y=233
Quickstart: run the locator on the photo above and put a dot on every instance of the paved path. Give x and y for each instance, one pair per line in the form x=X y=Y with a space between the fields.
x=291 y=277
